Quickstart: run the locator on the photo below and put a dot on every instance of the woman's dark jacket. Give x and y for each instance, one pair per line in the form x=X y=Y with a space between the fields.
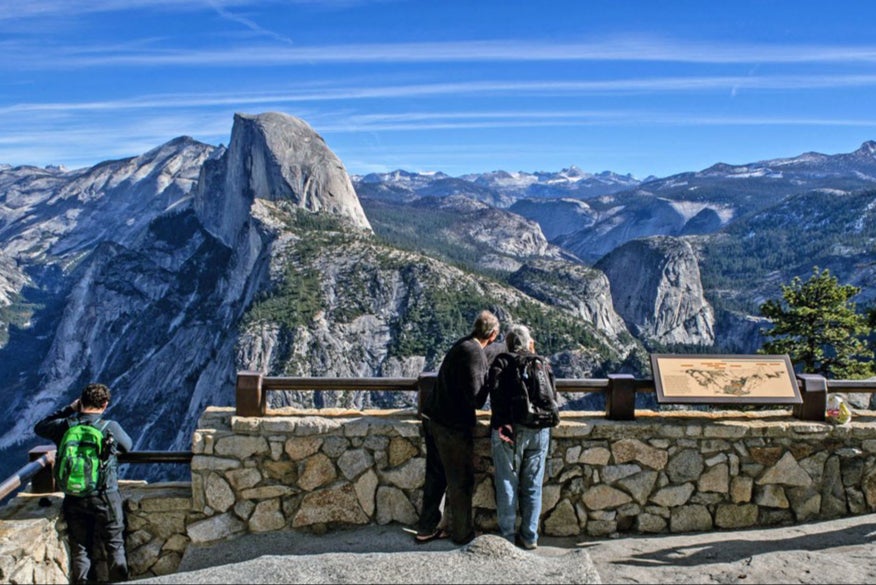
x=501 y=384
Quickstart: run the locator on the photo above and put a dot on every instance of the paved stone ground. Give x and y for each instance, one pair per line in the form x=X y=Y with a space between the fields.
x=375 y=555
x=836 y=551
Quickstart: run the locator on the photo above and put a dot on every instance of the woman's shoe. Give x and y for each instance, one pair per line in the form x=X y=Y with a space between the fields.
x=525 y=545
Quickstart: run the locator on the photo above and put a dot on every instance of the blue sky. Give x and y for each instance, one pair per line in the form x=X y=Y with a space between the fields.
x=639 y=87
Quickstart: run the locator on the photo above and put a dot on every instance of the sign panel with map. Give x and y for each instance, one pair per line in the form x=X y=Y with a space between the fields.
x=740 y=379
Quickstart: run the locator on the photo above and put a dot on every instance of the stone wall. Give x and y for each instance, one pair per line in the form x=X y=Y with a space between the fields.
x=33 y=534
x=32 y=548
x=676 y=471
x=156 y=516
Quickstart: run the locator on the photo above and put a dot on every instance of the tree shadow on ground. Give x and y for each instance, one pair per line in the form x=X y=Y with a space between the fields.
x=729 y=551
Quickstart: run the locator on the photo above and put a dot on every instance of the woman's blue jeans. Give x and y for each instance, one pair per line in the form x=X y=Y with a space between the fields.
x=518 y=477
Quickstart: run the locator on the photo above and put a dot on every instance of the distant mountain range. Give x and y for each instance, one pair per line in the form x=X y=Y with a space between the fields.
x=163 y=275
x=753 y=227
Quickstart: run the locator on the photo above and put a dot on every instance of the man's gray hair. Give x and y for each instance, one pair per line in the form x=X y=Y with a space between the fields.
x=485 y=324
x=518 y=339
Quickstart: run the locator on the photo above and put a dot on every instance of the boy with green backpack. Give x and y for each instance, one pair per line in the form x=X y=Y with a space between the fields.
x=86 y=470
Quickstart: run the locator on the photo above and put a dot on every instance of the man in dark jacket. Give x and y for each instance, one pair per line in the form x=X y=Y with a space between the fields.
x=448 y=426
x=96 y=518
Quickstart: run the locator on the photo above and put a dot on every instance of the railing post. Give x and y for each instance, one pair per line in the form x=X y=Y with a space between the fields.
x=813 y=389
x=43 y=481
x=620 y=398
x=425 y=386
x=251 y=399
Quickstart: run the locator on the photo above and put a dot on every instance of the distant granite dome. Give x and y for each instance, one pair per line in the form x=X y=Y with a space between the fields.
x=274 y=156
x=657 y=290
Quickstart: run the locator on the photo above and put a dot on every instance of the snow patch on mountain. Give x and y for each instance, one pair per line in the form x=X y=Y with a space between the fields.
x=755 y=173
x=688 y=209
x=803 y=159
x=864 y=176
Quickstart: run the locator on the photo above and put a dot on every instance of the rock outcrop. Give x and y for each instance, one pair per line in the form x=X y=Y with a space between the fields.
x=274 y=157
x=583 y=291
x=656 y=288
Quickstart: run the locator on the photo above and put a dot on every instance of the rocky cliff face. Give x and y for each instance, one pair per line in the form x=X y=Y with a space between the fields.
x=459 y=229
x=106 y=288
x=49 y=213
x=163 y=275
x=557 y=217
x=656 y=288
x=583 y=291
x=273 y=157
x=144 y=274
x=343 y=304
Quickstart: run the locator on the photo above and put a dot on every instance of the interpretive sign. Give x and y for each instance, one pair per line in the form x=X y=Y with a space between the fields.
x=739 y=379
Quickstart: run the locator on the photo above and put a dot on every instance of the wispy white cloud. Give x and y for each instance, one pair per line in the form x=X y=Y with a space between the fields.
x=153 y=129
x=443 y=121
x=247 y=22
x=65 y=9
x=608 y=50
x=318 y=93
x=34 y=140
x=46 y=9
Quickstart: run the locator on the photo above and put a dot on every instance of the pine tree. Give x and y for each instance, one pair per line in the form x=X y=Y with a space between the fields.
x=817 y=325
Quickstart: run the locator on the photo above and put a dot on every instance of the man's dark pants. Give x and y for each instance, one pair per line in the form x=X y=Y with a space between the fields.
x=92 y=521
x=450 y=466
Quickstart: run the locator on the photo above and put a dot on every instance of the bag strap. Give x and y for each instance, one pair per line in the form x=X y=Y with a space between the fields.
x=75 y=419
x=524 y=359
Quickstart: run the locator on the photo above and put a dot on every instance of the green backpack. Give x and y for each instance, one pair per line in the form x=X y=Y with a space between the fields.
x=80 y=465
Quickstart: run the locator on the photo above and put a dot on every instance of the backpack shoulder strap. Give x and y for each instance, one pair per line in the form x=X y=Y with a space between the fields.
x=518 y=358
x=524 y=359
x=100 y=424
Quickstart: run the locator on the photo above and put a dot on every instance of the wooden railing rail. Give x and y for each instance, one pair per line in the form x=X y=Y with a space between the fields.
x=620 y=390
x=252 y=388
x=861 y=386
x=42 y=460
x=156 y=457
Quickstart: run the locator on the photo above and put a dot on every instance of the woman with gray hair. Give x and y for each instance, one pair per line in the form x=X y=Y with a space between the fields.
x=519 y=449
